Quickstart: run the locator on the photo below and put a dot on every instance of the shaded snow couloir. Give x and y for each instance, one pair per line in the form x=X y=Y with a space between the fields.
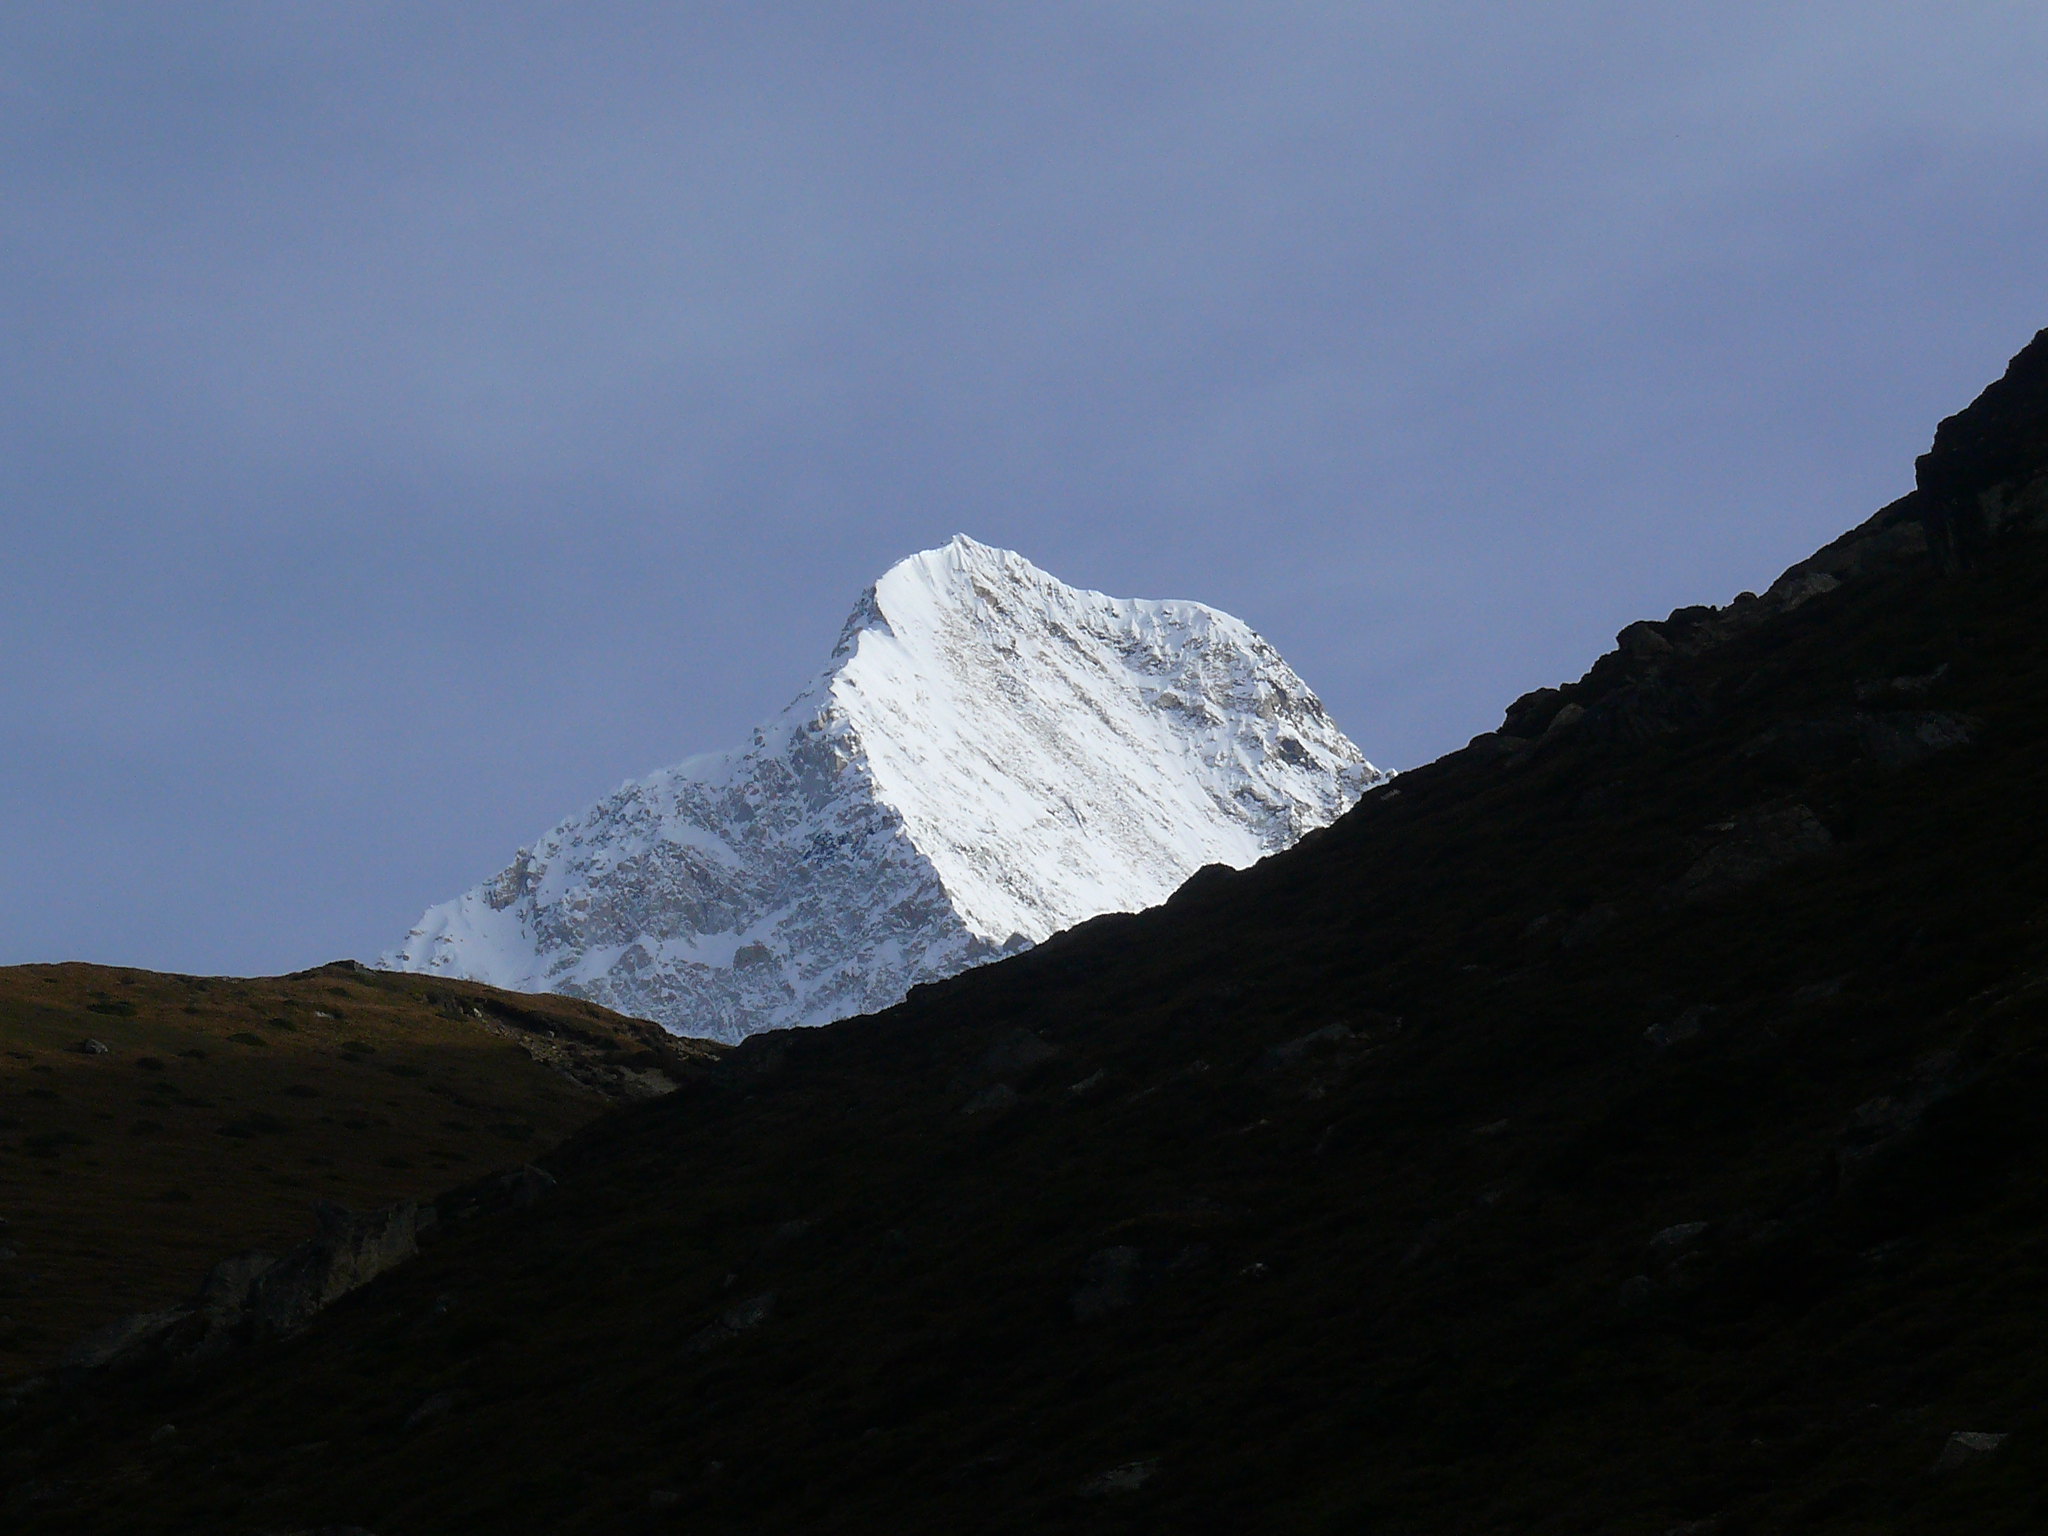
x=991 y=756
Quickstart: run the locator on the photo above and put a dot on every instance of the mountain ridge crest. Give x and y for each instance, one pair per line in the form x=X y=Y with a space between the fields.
x=990 y=756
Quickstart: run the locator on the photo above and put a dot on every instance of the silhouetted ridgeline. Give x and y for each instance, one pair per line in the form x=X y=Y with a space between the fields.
x=1630 y=1123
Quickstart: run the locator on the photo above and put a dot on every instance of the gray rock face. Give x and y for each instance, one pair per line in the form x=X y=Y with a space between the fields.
x=1128 y=1478
x=992 y=756
x=1966 y=1446
x=254 y=1296
x=733 y=1322
x=1752 y=847
x=350 y=1251
x=1686 y=1026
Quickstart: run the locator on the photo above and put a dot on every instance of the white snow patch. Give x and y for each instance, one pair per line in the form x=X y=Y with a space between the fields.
x=991 y=757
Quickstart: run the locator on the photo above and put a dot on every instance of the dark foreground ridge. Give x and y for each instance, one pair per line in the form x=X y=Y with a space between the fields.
x=1630 y=1123
x=151 y=1125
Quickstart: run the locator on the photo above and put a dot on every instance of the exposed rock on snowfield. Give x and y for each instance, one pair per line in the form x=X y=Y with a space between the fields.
x=992 y=756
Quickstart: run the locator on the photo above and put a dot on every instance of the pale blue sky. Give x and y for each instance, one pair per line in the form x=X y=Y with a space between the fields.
x=416 y=418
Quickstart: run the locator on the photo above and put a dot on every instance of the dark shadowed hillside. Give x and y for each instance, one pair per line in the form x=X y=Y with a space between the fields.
x=1631 y=1123
x=151 y=1124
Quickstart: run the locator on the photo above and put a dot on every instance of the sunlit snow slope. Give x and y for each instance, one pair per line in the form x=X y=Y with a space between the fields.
x=991 y=756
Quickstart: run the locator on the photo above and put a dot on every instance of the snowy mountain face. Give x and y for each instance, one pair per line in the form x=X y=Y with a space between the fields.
x=990 y=757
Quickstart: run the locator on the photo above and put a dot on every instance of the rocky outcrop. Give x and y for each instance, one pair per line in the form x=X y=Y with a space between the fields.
x=1745 y=850
x=1966 y=1446
x=733 y=1322
x=350 y=1251
x=1985 y=471
x=257 y=1296
x=1982 y=478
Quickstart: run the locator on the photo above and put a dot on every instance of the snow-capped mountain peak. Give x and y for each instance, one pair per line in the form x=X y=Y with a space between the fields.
x=990 y=757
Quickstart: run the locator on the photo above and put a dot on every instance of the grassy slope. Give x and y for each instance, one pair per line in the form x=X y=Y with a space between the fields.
x=224 y=1107
x=1402 y=1281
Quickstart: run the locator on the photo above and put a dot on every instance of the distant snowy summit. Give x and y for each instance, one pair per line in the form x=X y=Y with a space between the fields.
x=991 y=756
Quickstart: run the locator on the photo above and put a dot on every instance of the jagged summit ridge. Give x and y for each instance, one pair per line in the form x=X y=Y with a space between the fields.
x=990 y=757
